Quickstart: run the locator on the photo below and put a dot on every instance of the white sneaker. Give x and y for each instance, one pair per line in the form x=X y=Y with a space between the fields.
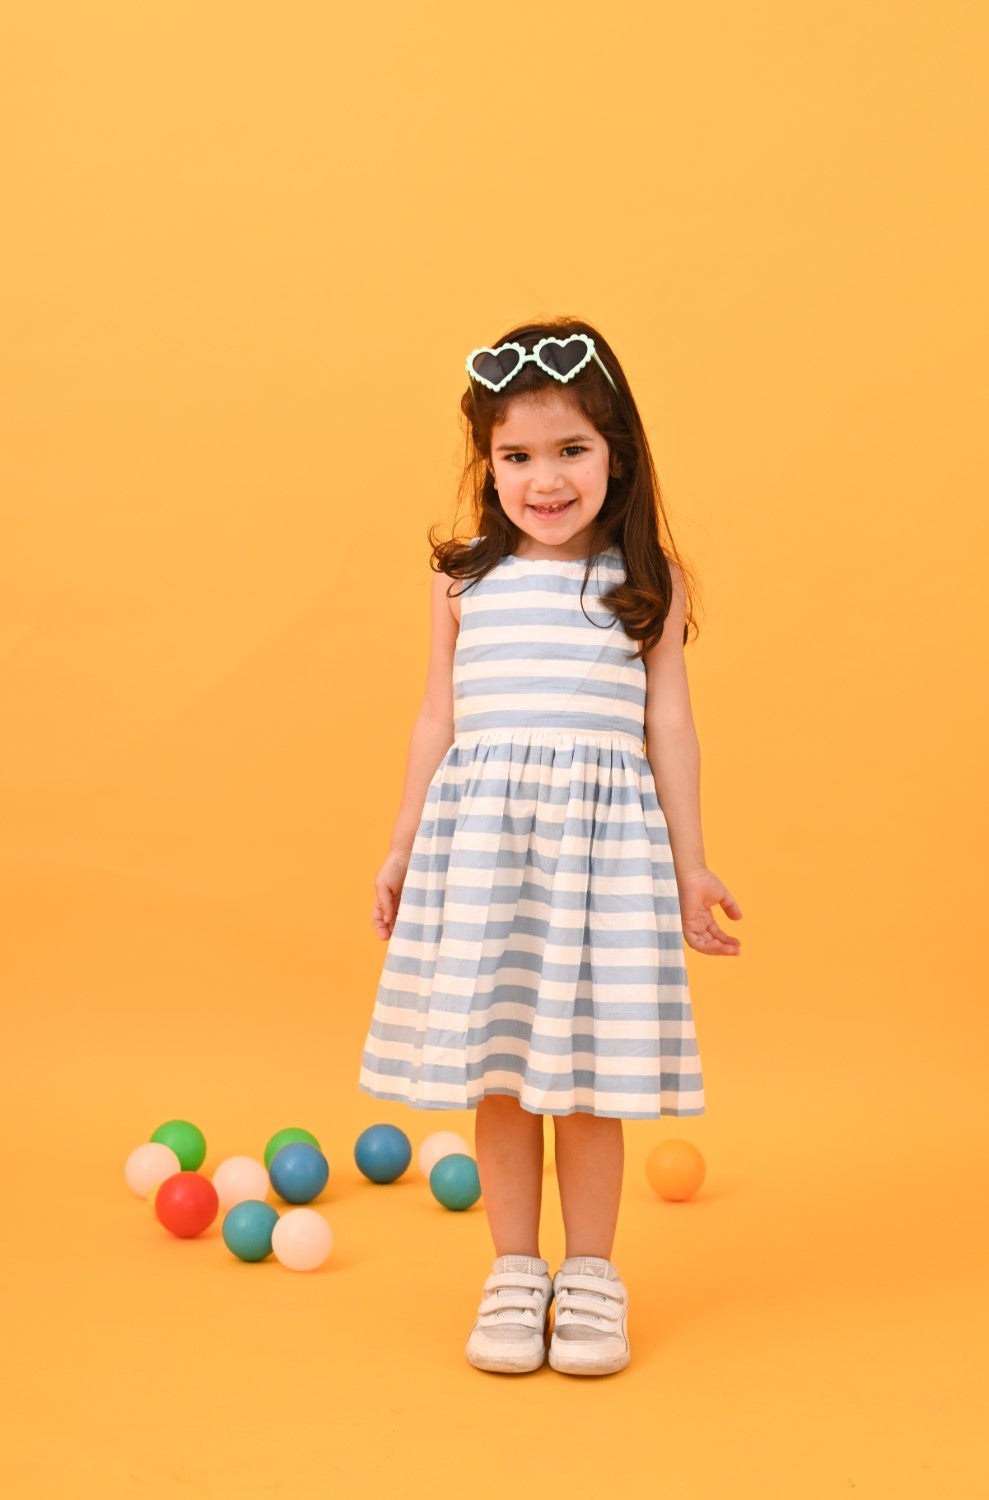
x=590 y=1321
x=510 y=1332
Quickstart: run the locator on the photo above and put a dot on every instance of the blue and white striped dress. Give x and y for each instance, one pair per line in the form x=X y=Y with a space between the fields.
x=537 y=949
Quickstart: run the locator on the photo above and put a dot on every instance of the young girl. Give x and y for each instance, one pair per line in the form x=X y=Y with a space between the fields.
x=547 y=864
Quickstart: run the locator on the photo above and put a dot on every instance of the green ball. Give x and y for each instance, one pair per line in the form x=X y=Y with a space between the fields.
x=288 y=1138
x=455 y=1181
x=186 y=1140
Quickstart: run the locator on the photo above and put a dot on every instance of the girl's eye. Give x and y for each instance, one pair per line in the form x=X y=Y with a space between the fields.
x=571 y=448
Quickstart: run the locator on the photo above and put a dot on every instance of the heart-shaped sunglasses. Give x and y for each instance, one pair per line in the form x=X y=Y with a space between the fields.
x=561 y=358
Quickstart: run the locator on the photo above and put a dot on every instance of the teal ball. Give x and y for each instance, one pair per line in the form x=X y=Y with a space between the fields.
x=455 y=1181
x=247 y=1229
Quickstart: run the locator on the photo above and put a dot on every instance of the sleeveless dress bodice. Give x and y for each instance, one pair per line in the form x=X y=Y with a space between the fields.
x=533 y=652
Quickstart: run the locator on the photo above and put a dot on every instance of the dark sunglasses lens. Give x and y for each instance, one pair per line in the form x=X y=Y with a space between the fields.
x=563 y=358
x=496 y=367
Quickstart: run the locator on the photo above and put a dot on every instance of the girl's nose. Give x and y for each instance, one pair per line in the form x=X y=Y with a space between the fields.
x=546 y=478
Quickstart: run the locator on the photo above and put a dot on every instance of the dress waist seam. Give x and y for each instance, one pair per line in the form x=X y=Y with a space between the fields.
x=543 y=736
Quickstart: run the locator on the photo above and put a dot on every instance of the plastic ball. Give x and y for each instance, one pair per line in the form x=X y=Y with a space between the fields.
x=441 y=1143
x=286 y=1138
x=248 y=1228
x=455 y=1181
x=675 y=1170
x=299 y=1172
x=186 y=1204
x=149 y=1165
x=302 y=1239
x=186 y=1140
x=383 y=1152
x=239 y=1178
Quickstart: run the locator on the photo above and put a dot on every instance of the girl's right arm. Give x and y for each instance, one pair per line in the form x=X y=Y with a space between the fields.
x=432 y=736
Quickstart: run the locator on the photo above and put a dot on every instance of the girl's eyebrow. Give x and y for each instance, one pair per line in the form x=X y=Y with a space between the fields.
x=580 y=437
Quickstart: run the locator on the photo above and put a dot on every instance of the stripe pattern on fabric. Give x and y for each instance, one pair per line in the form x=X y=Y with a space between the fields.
x=537 y=949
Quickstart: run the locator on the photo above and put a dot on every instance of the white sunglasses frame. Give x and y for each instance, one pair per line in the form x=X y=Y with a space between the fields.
x=585 y=338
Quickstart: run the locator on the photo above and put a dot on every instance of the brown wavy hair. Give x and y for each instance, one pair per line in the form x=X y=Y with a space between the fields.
x=632 y=517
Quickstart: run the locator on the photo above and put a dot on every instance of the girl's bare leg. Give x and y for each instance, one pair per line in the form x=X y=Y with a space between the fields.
x=509 y=1144
x=590 y=1160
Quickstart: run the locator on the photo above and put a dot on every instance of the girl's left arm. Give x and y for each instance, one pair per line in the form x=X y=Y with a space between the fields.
x=673 y=753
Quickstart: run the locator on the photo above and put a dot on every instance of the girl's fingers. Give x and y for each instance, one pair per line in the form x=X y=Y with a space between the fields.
x=718 y=950
x=713 y=940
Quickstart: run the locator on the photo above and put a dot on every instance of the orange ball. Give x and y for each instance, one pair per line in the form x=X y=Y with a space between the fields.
x=675 y=1170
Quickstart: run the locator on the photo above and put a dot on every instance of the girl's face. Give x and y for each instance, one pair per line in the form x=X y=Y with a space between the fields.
x=545 y=455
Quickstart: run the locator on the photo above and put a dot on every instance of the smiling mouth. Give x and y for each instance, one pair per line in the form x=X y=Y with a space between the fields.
x=555 y=510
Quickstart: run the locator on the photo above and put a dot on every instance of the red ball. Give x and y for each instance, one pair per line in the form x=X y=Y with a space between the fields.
x=187 y=1204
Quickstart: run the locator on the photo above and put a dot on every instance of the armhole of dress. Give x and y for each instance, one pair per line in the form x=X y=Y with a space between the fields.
x=466 y=593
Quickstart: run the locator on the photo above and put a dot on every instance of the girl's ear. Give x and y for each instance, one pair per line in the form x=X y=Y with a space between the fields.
x=615 y=467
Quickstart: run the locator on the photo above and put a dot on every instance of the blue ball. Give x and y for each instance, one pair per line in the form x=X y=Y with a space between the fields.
x=455 y=1182
x=383 y=1152
x=298 y=1172
x=247 y=1229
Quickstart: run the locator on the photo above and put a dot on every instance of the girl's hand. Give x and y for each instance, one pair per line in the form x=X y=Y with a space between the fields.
x=388 y=885
x=700 y=890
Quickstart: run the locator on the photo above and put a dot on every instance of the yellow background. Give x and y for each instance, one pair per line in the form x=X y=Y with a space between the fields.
x=247 y=249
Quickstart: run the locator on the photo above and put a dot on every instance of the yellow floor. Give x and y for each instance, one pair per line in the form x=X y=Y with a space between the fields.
x=808 y=1326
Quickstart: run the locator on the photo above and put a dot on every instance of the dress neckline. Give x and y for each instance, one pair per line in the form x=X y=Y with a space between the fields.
x=558 y=562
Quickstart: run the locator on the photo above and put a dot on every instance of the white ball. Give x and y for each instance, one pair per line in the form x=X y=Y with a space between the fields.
x=302 y=1239
x=239 y=1178
x=441 y=1143
x=147 y=1167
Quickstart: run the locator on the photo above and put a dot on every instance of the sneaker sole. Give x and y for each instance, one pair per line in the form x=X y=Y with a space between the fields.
x=587 y=1367
x=504 y=1365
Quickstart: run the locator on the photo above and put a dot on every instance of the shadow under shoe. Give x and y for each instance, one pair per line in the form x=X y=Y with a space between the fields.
x=509 y=1334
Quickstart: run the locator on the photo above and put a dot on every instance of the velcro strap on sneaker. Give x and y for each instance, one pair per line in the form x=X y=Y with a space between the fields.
x=509 y=1312
x=601 y=1287
x=514 y=1280
x=589 y=1296
x=515 y=1292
